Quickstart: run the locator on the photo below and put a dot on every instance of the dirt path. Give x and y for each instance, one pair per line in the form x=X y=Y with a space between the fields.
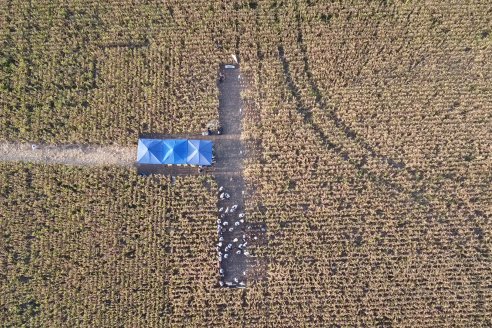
x=68 y=154
x=230 y=153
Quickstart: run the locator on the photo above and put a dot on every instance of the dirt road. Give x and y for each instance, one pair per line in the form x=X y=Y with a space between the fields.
x=79 y=155
x=231 y=224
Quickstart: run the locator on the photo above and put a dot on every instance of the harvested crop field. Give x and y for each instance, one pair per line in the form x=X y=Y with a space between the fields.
x=104 y=71
x=367 y=133
x=101 y=247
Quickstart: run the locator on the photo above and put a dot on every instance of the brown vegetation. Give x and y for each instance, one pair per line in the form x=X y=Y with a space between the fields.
x=374 y=187
x=104 y=71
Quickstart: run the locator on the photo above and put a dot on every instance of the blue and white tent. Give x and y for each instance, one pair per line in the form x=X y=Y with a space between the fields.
x=174 y=151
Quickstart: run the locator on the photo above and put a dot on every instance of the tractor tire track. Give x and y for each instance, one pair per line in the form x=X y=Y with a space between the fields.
x=418 y=196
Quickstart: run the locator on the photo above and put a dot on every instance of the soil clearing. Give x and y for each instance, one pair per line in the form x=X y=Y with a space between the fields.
x=79 y=155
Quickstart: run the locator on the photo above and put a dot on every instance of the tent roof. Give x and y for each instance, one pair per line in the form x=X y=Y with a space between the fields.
x=200 y=152
x=174 y=151
x=148 y=152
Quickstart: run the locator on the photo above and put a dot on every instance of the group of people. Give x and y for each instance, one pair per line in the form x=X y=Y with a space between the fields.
x=210 y=132
x=231 y=242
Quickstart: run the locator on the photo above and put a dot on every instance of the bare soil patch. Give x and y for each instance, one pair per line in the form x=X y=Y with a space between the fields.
x=79 y=155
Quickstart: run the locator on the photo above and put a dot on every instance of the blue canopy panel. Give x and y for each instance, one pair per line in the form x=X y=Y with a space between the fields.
x=199 y=152
x=175 y=150
x=149 y=151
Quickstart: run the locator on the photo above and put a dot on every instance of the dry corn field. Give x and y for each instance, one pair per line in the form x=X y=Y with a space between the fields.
x=368 y=131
